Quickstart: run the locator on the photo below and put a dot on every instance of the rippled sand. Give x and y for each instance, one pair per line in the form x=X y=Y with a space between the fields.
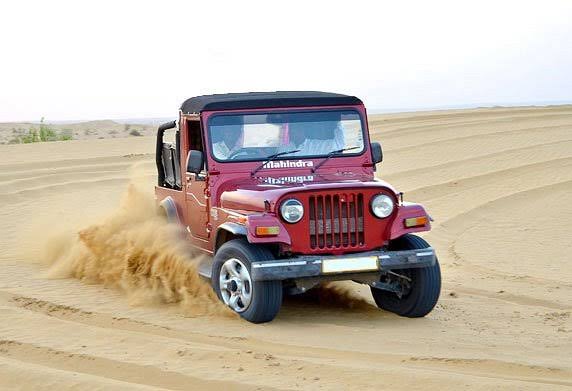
x=498 y=183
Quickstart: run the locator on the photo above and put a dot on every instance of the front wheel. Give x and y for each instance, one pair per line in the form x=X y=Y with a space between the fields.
x=419 y=289
x=255 y=301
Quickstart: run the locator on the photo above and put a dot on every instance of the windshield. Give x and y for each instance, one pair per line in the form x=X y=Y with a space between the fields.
x=243 y=137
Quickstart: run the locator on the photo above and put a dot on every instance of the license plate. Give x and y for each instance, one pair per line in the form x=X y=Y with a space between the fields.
x=349 y=265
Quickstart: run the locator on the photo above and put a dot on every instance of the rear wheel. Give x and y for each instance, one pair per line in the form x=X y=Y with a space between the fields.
x=255 y=301
x=418 y=289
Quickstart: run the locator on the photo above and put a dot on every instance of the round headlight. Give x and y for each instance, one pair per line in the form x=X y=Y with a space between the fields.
x=292 y=210
x=382 y=205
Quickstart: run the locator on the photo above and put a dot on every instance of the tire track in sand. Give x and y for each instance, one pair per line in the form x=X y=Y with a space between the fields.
x=117 y=370
x=298 y=354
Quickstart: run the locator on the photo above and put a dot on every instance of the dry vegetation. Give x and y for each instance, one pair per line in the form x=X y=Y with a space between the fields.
x=27 y=132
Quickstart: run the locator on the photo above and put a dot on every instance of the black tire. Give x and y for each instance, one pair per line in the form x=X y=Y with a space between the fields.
x=425 y=288
x=266 y=295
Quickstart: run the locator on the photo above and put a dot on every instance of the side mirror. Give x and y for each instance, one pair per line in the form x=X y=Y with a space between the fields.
x=195 y=161
x=376 y=153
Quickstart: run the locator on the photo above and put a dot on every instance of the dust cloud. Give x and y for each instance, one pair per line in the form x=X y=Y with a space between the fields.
x=136 y=251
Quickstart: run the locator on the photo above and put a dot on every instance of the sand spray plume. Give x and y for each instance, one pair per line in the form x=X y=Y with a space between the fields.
x=136 y=251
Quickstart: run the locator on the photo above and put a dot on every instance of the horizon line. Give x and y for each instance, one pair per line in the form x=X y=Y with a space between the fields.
x=384 y=110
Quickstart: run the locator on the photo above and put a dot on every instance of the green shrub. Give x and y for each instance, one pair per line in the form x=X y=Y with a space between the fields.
x=31 y=137
x=65 y=135
x=45 y=133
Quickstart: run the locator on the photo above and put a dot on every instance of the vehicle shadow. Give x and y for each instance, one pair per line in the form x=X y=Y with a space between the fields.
x=329 y=302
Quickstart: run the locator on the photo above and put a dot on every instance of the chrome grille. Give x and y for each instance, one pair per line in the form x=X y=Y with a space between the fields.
x=336 y=221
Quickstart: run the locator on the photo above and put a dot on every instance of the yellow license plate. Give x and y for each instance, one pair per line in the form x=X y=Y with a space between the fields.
x=341 y=265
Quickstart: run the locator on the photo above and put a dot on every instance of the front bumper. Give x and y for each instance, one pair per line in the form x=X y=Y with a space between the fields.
x=327 y=266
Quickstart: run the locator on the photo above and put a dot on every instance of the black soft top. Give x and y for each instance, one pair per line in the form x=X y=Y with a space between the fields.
x=263 y=100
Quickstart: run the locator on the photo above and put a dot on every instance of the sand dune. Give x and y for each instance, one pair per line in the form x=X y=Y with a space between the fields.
x=498 y=183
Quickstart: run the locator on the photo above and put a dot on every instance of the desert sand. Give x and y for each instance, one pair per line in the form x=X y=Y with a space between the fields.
x=498 y=183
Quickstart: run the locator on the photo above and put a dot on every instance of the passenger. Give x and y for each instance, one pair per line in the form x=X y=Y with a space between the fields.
x=314 y=139
x=228 y=141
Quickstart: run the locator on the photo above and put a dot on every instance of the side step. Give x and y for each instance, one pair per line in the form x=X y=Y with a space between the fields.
x=205 y=268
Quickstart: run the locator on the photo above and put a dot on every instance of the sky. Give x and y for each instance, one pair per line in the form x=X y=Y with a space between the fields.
x=80 y=60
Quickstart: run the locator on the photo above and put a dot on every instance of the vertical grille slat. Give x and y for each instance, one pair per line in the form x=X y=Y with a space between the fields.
x=313 y=221
x=360 y=223
x=319 y=222
x=329 y=222
x=323 y=214
x=348 y=219
x=336 y=221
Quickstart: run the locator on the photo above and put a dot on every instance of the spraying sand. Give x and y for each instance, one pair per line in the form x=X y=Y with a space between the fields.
x=135 y=250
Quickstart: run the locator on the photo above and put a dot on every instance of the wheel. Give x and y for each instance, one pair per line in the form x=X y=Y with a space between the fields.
x=255 y=301
x=419 y=290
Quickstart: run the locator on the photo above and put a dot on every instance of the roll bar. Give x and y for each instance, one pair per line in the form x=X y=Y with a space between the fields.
x=159 y=150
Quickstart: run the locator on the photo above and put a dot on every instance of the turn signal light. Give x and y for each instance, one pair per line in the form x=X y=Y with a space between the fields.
x=415 y=222
x=267 y=231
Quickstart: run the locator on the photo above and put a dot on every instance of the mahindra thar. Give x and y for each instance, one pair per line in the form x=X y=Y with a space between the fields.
x=279 y=190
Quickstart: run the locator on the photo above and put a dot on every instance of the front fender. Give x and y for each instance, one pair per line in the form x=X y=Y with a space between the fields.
x=405 y=211
x=233 y=228
x=266 y=220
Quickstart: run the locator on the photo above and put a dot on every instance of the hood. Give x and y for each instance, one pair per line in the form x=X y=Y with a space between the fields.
x=263 y=192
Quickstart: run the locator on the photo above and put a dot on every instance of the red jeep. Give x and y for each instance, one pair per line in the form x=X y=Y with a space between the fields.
x=279 y=189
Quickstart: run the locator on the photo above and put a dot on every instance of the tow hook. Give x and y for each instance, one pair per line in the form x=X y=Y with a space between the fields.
x=399 y=275
x=398 y=286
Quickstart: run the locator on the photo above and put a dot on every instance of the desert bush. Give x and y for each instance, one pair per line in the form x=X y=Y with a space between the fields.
x=65 y=135
x=44 y=133
x=135 y=132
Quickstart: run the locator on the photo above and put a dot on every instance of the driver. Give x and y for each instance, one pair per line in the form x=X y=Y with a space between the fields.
x=314 y=139
x=228 y=141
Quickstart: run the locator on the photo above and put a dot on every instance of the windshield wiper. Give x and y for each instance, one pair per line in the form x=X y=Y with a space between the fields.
x=270 y=158
x=331 y=154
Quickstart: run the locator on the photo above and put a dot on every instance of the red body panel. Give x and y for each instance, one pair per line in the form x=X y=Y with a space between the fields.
x=230 y=194
x=267 y=220
x=405 y=211
x=178 y=196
